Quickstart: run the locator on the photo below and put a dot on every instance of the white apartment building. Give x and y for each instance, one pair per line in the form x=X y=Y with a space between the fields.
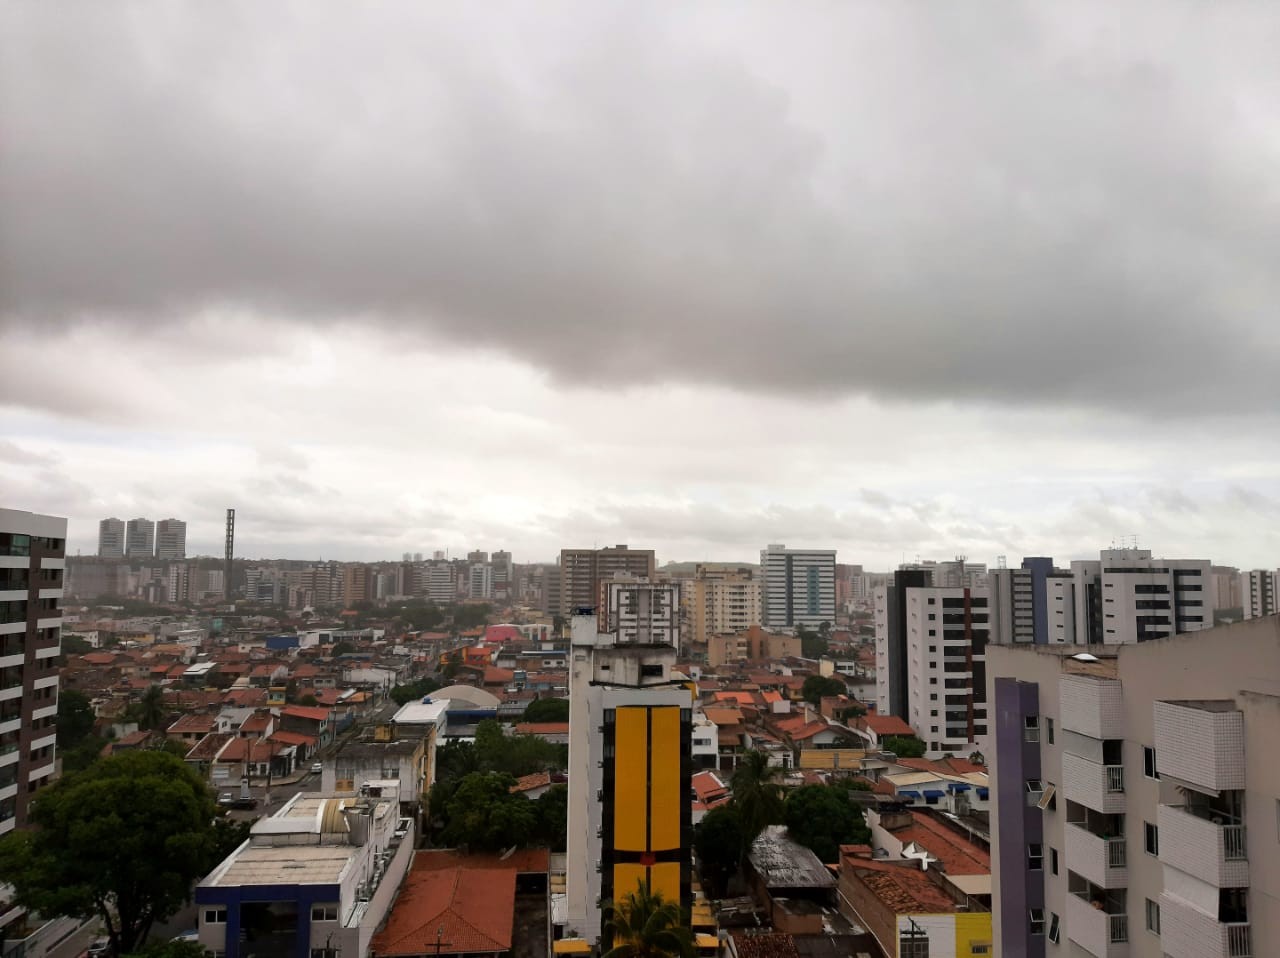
x=1260 y=592
x=171 y=539
x=1127 y=596
x=1137 y=809
x=440 y=583
x=797 y=587
x=111 y=539
x=140 y=539
x=946 y=636
x=480 y=580
x=721 y=600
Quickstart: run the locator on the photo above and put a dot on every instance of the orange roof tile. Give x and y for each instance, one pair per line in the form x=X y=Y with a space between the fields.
x=475 y=907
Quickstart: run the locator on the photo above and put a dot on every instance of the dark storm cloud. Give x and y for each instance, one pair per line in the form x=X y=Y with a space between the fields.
x=1014 y=202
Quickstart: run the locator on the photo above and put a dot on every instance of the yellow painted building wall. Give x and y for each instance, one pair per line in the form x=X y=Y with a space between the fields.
x=973 y=928
x=647 y=796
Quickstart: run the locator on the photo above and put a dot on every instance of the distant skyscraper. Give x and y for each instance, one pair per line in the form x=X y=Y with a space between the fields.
x=582 y=569
x=140 y=539
x=892 y=662
x=171 y=539
x=798 y=587
x=629 y=760
x=1260 y=592
x=721 y=600
x=480 y=581
x=32 y=556
x=111 y=538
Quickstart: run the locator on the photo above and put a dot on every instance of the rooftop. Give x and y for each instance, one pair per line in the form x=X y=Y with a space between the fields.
x=450 y=910
x=784 y=863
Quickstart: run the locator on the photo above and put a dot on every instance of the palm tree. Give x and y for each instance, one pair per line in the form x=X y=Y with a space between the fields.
x=758 y=795
x=150 y=709
x=645 y=925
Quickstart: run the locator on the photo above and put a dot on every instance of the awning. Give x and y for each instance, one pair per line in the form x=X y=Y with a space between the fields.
x=934 y=793
x=982 y=791
x=907 y=793
x=957 y=787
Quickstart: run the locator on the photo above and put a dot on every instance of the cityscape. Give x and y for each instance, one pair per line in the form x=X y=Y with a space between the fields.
x=659 y=480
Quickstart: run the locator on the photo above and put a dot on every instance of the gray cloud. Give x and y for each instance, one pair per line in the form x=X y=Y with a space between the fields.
x=1018 y=203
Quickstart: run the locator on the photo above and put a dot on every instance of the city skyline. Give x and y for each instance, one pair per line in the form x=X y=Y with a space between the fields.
x=703 y=278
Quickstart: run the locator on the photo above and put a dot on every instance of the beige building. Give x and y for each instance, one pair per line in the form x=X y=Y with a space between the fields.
x=721 y=599
x=1137 y=796
x=582 y=569
x=751 y=643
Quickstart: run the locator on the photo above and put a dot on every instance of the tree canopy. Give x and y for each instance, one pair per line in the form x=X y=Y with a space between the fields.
x=121 y=841
x=757 y=793
x=402 y=694
x=816 y=687
x=642 y=924
x=547 y=710
x=484 y=815
x=822 y=818
x=903 y=746
x=75 y=718
x=718 y=842
x=553 y=817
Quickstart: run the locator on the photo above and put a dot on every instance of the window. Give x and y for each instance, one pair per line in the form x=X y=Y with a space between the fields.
x=933 y=601
x=933 y=697
x=1053 y=861
x=1048 y=730
x=932 y=616
x=1150 y=838
x=1035 y=857
x=1031 y=728
x=1149 y=762
x=1153 y=916
x=910 y=945
x=1037 y=921
x=1053 y=927
x=651 y=671
x=1035 y=788
x=1048 y=800
x=215 y=916
x=980 y=948
x=933 y=680
x=324 y=912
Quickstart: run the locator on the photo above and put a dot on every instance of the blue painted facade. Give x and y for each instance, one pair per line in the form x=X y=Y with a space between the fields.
x=1040 y=567
x=1017 y=823
x=231 y=898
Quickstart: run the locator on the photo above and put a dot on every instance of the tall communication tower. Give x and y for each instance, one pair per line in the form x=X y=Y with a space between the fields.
x=231 y=551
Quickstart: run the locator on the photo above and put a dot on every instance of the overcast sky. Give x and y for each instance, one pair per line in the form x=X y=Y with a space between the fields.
x=897 y=279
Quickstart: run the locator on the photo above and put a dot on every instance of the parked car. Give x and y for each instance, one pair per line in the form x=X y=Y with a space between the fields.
x=317 y=768
x=189 y=935
x=99 y=948
x=227 y=798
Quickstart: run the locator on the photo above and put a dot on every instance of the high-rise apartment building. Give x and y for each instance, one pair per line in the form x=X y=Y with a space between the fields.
x=171 y=539
x=1137 y=796
x=480 y=581
x=140 y=539
x=1020 y=601
x=630 y=763
x=797 y=587
x=1126 y=597
x=504 y=575
x=441 y=584
x=944 y=632
x=721 y=599
x=111 y=539
x=1260 y=592
x=582 y=569
x=32 y=561
x=892 y=659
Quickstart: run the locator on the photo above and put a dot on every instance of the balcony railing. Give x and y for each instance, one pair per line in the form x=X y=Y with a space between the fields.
x=1117 y=857
x=1238 y=940
x=1118 y=929
x=1115 y=778
x=1233 y=843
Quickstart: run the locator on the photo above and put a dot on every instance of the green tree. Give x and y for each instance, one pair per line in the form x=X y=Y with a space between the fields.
x=821 y=818
x=309 y=700
x=547 y=710
x=122 y=842
x=903 y=746
x=169 y=949
x=553 y=817
x=342 y=648
x=815 y=687
x=644 y=925
x=228 y=835
x=516 y=755
x=75 y=718
x=757 y=793
x=717 y=839
x=402 y=694
x=75 y=644
x=149 y=711
x=484 y=815
x=812 y=644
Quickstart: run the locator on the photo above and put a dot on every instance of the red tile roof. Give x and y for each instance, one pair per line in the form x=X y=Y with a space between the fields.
x=526 y=783
x=542 y=728
x=886 y=725
x=310 y=713
x=958 y=855
x=293 y=738
x=475 y=907
x=904 y=889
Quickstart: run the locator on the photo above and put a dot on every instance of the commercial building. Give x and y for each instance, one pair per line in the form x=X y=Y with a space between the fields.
x=630 y=721
x=1260 y=592
x=171 y=539
x=721 y=599
x=582 y=569
x=32 y=560
x=797 y=587
x=1127 y=597
x=316 y=878
x=753 y=643
x=1136 y=796
x=140 y=539
x=111 y=539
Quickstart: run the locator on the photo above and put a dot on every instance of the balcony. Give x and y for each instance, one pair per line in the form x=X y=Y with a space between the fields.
x=1091 y=706
x=1098 y=931
x=1201 y=743
x=1092 y=784
x=1204 y=842
x=1095 y=848
x=1188 y=932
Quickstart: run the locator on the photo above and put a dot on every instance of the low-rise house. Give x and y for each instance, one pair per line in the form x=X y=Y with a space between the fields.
x=308 y=720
